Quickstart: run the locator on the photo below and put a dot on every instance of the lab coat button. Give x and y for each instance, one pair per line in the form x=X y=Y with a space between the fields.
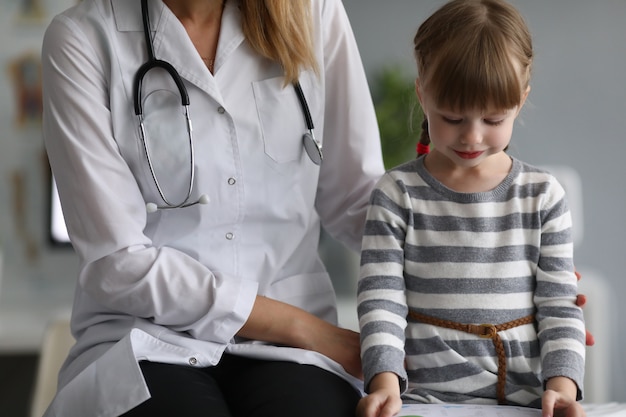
x=231 y=181
x=230 y=236
x=221 y=110
x=193 y=361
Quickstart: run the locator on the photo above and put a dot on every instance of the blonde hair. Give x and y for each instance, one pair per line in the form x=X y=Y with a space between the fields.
x=472 y=54
x=281 y=30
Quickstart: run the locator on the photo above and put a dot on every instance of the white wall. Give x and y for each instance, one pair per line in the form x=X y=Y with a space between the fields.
x=36 y=280
x=576 y=116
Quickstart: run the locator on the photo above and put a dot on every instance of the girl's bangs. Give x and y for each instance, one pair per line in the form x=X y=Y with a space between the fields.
x=476 y=76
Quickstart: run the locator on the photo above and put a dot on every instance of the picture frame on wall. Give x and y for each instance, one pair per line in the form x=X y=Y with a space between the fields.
x=31 y=11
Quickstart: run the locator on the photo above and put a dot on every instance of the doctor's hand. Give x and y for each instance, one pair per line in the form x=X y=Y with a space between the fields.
x=581 y=300
x=341 y=345
x=281 y=323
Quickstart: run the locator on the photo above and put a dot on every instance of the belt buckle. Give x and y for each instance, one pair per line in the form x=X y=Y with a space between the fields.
x=489 y=331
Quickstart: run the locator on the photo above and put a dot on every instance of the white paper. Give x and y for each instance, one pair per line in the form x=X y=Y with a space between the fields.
x=470 y=410
x=466 y=410
x=605 y=410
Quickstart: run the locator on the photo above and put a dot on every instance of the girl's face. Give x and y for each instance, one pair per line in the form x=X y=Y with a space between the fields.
x=468 y=137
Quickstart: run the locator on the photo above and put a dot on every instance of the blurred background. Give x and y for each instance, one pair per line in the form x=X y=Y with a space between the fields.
x=574 y=123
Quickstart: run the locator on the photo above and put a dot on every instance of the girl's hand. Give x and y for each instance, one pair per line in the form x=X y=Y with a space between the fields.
x=384 y=398
x=553 y=404
x=379 y=404
x=559 y=399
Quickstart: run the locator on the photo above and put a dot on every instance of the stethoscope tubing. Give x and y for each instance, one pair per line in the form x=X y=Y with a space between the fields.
x=150 y=64
x=311 y=145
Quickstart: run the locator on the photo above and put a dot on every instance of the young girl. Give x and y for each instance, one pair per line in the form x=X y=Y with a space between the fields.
x=467 y=286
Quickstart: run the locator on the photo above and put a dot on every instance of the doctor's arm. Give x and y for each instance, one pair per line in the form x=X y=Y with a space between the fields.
x=353 y=160
x=277 y=322
x=352 y=164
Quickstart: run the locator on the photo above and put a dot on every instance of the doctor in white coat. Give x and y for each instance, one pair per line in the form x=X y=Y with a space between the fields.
x=200 y=289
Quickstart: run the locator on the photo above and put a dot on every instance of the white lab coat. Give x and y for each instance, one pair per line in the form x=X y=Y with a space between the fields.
x=176 y=285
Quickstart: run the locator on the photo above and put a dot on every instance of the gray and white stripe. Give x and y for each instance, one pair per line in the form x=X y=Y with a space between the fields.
x=486 y=257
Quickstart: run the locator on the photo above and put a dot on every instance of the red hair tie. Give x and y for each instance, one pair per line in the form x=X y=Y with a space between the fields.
x=422 y=149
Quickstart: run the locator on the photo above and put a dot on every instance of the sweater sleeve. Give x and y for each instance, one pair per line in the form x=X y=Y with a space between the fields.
x=561 y=327
x=382 y=306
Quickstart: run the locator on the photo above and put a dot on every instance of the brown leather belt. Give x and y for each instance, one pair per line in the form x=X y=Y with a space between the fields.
x=487 y=331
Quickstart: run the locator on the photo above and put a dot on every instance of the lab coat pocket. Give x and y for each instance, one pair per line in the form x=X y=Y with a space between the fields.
x=281 y=120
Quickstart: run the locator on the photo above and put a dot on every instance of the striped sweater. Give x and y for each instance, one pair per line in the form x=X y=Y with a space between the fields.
x=488 y=257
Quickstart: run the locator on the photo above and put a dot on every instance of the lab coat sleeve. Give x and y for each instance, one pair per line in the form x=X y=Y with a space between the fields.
x=351 y=142
x=104 y=209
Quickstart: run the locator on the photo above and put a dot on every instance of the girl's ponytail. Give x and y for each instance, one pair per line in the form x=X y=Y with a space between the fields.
x=423 y=146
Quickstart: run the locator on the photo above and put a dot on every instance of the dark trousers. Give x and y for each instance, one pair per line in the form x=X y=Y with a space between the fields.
x=242 y=387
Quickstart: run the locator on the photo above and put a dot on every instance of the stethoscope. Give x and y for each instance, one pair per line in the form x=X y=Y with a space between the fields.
x=311 y=145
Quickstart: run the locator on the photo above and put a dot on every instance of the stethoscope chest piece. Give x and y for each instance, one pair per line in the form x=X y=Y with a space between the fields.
x=312 y=147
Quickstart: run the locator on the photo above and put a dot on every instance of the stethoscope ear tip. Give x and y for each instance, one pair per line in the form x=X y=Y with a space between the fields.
x=204 y=199
x=151 y=207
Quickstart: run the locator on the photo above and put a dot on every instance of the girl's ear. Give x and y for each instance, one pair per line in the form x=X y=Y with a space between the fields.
x=418 y=90
x=524 y=96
